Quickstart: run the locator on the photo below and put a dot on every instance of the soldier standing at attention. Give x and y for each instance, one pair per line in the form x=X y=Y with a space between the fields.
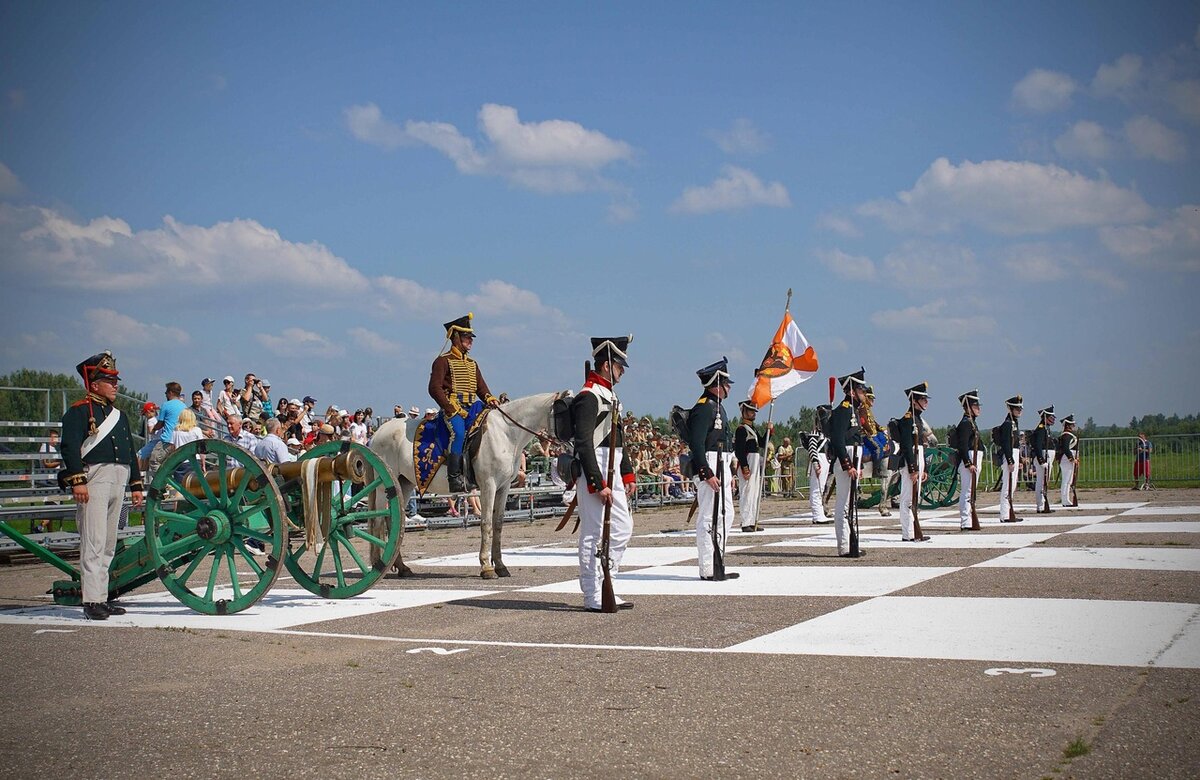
x=457 y=386
x=912 y=459
x=966 y=439
x=712 y=459
x=1006 y=439
x=592 y=415
x=818 y=463
x=100 y=461
x=1038 y=447
x=747 y=446
x=843 y=437
x=1068 y=454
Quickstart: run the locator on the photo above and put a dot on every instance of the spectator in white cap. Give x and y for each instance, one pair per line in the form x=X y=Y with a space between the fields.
x=226 y=404
x=414 y=412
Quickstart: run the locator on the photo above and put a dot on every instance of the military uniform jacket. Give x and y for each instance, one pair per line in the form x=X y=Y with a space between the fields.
x=1037 y=442
x=591 y=415
x=968 y=439
x=843 y=429
x=454 y=372
x=116 y=447
x=745 y=441
x=1007 y=438
x=1068 y=445
x=908 y=438
x=815 y=443
x=707 y=428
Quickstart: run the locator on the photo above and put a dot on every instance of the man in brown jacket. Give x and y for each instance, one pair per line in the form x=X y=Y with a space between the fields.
x=457 y=386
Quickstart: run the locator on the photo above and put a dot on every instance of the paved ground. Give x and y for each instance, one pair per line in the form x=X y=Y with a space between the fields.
x=974 y=655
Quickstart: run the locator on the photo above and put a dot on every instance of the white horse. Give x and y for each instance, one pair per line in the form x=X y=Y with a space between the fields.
x=508 y=430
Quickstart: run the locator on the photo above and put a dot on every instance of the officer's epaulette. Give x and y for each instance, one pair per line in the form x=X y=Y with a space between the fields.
x=703 y=400
x=1041 y=425
x=908 y=415
x=845 y=404
x=80 y=402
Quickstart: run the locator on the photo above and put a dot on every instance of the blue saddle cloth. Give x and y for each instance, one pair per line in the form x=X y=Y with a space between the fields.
x=432 y=442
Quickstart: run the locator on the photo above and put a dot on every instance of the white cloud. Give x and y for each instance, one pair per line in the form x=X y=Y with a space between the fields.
x=494 y=298
x=107 y=254
x=839 y=224
x=925 y=264
x=371 y=341
x=1041 y=91
x=1172 y=244
x=742 y=138
x=300 y=343
x=846 y=265
x=1042 y=262
x=121 y=330
x=933 y=321
x=1151 y=138
x=16 y=99
x=554 y=155
x=1084 y=139
x=1122 y=78
x=736 y=188
x=10 y=185
x=619 y=212
x=1011 y=198
x=1185 y=96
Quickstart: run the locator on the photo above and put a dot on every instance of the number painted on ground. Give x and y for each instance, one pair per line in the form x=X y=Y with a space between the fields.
x=1032 y=672
x=437 y=650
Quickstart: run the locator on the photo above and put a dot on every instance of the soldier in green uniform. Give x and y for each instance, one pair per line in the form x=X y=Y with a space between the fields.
x=712 y=460
x=1041 y=449
x=966 y=441
x=1006 y=442
x=909 y=439
x=457 y=386
x=845 y=452
x=99 y=462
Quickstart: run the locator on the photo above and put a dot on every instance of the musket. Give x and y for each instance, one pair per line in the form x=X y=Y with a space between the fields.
x=718 y=552
x=974 y=473
x=852 y=507
x=918 y=437
x=1013 y=472
x=566 y=518
x=608 y=599
x=1075 y=475
x=761 y=468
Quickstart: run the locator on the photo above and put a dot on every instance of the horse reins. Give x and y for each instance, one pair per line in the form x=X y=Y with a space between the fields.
x=535 y=434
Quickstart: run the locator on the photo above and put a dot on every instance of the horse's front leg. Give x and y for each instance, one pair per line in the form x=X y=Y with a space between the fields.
x=486 y=570
x=496 y=515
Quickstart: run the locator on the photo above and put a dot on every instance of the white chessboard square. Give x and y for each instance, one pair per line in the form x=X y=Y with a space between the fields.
x=279 y=608
x=1104 y=506
x=736 y=533
x=1075 y=631
x=1154 y=558
x=1180 y=527
x=765 y=581
x=1029 y=521
x=1163 y=510
x=569 y=557
x=951 y=541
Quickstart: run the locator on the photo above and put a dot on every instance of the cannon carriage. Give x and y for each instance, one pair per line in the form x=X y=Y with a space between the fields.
x=940 y=489
x=214 y=511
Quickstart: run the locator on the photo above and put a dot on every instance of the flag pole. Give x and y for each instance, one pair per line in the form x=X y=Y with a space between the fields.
x=762 y=459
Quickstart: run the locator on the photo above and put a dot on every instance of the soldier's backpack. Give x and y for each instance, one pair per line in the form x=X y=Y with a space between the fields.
x=679 y=424
x=952 y=442
x=560 y=413
x=997 y=453
x=893 y=429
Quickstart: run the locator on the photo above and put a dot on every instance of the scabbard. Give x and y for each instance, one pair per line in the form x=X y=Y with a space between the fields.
x=567 y=516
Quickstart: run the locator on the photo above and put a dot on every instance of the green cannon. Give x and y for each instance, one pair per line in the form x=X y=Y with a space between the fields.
x=311 y=516
x=940 y=489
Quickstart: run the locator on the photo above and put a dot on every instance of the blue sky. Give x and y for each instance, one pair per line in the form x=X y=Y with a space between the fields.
x=973 y=194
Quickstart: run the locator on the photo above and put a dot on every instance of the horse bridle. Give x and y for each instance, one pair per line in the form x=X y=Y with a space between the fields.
x=535 y=434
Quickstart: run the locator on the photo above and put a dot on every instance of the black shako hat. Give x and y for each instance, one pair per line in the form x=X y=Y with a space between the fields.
x=102 y=365
x=1016 y=402
x=747 y=406
x=460 y=325
x=605 y=350
x=918 y=391
x=1068 y=420
x=969 y=397
x=716 y=372
x=823 y=412
x=1047 y=412
x=848 y=381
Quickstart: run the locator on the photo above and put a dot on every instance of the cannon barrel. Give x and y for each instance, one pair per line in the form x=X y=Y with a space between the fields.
x=349 y=465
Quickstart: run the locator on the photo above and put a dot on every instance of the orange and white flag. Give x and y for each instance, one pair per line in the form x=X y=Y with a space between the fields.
x=789 y=361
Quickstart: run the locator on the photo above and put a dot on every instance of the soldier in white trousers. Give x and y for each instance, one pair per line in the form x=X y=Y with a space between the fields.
x=818 y=463
x=747 y=450
x=593 y=413
x=970 y=459
x=100 y=461
x=911 y=460
x=1043 y=458
x=845 y=455
x=712 y=457
x=1068 y=459
x=1005 y=440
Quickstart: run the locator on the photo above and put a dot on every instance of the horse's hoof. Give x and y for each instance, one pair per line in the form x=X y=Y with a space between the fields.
x=488 y=574
x=402 y=571
x=502 y=571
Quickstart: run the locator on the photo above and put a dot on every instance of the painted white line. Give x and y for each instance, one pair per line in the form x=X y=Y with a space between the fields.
x=765 y=581
x=499 y=643
x=1179 y=527
x=1163 y=510
x=1031 y=672
x=741 y=537
x=1154 y=558
x=1042 y=631
x=947 y=541
x=1104 y=506
x=1030 y=521
x=280 y=608
x=568 y=557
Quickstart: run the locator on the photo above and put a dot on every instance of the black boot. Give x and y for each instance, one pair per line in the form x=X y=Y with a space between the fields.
x=454 y=473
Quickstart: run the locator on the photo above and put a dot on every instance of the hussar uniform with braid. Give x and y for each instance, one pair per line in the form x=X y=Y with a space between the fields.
x=457 y=385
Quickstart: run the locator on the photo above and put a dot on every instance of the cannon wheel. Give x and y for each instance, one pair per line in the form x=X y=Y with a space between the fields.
x=201 y=537
x=941 y=487
x=348 y=522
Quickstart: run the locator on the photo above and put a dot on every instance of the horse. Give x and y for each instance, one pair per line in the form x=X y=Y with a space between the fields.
x=507 y=430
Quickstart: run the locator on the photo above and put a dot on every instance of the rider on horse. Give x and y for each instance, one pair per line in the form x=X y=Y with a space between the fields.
x=457 y=386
